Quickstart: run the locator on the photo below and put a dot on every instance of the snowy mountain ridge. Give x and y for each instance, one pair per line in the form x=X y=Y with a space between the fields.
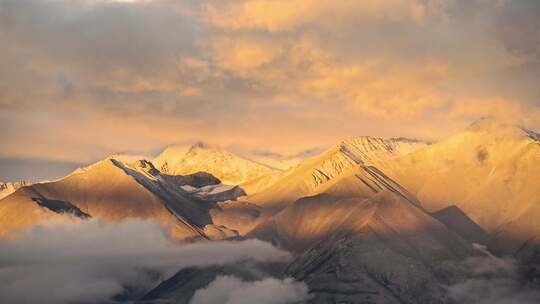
x=228 y=167
x=6 y=188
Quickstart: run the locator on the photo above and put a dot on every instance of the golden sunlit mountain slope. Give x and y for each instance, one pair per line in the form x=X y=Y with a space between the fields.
x=343 y=171
x=490 y=171
x=21 y=210
x=229 y=168
x=311 y=175
x=112 y=191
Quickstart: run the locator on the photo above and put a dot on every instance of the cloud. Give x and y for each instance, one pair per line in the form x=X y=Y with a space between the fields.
x=288 y=75
x=232 y=290
x=90 y=261
x=390 y=60
x=518 y=26
x=492 y=280
x=277 y=16
x=111 y=36
x=243 y=55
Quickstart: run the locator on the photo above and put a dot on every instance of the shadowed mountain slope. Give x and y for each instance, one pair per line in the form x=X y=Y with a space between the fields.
x=383 y=249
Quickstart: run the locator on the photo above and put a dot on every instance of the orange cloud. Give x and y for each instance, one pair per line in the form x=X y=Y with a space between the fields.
x=305 y=70
x=80 y=81
x=285 y=15
x=243 y=54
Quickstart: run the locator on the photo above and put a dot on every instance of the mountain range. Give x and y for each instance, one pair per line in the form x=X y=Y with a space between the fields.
x=369 y=220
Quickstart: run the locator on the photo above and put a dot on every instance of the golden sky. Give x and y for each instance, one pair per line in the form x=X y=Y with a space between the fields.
x=82 y=79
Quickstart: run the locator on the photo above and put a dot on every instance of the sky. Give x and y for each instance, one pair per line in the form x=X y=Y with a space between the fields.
x=83 y=79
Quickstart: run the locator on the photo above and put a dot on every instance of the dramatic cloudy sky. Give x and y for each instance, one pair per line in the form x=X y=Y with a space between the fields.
x=81 y=79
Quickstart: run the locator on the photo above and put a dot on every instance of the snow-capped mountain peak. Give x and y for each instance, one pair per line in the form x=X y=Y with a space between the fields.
x=310 y=176
x=202 y=157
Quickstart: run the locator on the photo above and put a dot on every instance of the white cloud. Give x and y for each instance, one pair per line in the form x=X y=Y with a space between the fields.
x=90 y=261
x=492 y=280
x=232 y=290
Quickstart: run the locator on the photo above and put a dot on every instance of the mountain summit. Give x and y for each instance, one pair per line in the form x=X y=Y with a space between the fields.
x=228 y=167
x=311 y=175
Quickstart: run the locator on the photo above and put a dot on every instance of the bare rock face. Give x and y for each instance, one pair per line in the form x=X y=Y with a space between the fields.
x=60 y=207
x=195 y=180
x=456 y=220
x=216 y=193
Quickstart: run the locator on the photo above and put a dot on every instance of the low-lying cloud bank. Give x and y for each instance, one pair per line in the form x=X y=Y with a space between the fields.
x=232 y=290
x=493 y=280
x=90 y=261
